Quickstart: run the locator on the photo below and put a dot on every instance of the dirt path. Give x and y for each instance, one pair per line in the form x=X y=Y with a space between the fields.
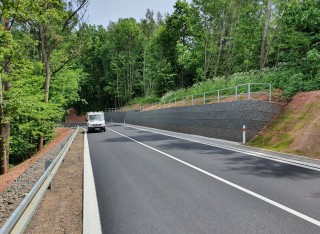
x=61 y=208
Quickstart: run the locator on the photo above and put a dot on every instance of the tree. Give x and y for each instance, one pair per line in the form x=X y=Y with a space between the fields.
x=53 y=28
x=7 y=18
x=148 y=27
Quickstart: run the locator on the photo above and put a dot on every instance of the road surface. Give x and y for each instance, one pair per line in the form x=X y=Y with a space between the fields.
x=152 y=183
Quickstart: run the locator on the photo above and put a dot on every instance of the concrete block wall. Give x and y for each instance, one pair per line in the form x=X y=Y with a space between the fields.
x=221 y=120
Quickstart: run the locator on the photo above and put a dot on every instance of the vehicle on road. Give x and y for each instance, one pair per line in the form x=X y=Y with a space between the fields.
x=95 y=121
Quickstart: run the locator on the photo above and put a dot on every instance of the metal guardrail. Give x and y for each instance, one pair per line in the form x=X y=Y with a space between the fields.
x=238 y=91
x=22 y=215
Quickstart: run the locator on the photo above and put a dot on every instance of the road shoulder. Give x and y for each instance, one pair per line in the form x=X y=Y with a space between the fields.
x=60 y=210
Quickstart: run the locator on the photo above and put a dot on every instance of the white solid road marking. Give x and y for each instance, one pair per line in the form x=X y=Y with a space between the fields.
x=244 y=151
x=91 y=216
x=287 y=209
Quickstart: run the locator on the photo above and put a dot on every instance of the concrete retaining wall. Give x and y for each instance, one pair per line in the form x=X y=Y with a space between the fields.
x=221 y=120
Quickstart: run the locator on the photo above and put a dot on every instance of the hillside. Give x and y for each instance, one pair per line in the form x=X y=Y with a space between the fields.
x=297 y=129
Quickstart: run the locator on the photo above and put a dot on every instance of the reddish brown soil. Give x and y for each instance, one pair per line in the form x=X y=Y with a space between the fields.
x=60 y=210
x=306 y=107
x=15 y=172
x=73 y=116
x=297 y=129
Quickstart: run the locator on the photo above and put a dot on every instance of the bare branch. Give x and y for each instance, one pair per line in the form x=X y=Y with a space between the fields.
x=68 y=21
x=70 y=58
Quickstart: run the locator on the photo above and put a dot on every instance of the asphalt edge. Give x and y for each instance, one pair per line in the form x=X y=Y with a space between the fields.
x=235 y=146
x=91 y=216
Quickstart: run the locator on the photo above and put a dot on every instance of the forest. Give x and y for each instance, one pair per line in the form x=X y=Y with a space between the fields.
x=52 y=59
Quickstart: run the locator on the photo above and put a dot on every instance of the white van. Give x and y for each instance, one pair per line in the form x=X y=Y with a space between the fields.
x=95 y=121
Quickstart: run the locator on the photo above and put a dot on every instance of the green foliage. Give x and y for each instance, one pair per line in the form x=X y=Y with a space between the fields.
x=144 y=100
x=30 y=117
x=65 y=87
x=20 y=47
x=219 y=83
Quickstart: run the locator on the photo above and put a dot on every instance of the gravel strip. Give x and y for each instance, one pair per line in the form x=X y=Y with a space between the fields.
x=15 y=193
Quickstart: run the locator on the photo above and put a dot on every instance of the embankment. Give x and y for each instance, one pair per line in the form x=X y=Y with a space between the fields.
x=297 y=129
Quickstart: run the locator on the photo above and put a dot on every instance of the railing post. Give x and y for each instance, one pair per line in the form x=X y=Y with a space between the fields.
x=270 y=92
x=249 y=95
x=236 y=93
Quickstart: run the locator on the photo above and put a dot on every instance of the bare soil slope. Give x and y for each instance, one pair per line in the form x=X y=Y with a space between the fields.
x=73 y=116
x=297 y=129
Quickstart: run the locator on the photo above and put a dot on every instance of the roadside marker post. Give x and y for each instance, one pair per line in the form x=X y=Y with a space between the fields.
x=244 y=134
x=46 y=166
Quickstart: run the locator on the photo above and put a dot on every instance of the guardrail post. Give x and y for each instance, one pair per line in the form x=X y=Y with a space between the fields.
x=218 y=95
x=249 y=94
x=270 y=92
x=236 y=93
x=192 y=99
x=46 y=166
x=204 y=98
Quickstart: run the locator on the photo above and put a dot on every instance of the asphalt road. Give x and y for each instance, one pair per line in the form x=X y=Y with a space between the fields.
x=152 y=183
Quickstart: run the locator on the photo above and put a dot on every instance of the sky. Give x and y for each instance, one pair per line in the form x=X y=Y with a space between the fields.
x=100 y=12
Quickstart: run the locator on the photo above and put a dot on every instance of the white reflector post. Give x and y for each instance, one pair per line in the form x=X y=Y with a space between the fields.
x=244 y=134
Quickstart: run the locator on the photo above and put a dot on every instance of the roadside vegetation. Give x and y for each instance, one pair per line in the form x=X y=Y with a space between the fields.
x=39 y=80
x=297 y=128
x=202 y=46
x=51 y=60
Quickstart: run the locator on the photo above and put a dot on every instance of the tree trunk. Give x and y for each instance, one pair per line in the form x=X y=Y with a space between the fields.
x=263 y=56
x=3 y=151
x=275 y=29
x=144 y=73
x=208 y=56
x=223 y=30
x=231 y=45
x=45 y=60
x=4 y=124
x=207 y=52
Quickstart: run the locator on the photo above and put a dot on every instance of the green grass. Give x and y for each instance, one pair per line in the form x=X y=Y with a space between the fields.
x=268 y=141
x=222 y=83
x=281 y=133
x=144 y=100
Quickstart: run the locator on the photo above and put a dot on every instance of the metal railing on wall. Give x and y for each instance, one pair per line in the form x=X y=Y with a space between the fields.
x=249 y=91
